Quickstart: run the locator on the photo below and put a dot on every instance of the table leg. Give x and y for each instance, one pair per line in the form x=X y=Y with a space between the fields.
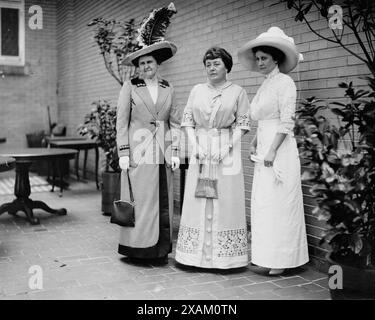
x=85 y=163
x=22 y=192
x=60 y=165
x=77 y=164
x=54 y=168
x=96 y=166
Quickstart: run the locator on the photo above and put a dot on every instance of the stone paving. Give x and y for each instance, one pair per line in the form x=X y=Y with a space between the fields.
x=78 y=257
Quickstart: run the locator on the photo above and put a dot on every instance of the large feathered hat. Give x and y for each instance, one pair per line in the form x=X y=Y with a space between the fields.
x=151 y=36
x=274 y=37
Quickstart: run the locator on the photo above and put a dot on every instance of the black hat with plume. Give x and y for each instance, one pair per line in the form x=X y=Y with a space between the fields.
x=151 y=36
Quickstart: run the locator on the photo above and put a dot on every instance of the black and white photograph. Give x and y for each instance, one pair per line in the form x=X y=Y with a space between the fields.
x=187 y=156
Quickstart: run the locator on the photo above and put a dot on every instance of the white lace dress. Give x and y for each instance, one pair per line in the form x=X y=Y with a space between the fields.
x=213 y=232
x=278 y=231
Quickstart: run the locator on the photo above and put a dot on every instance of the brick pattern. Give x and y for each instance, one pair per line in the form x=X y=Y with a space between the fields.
x=79 y=260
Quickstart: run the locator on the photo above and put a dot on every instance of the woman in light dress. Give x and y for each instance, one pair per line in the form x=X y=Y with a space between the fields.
x=278 y=232
x=213 y=231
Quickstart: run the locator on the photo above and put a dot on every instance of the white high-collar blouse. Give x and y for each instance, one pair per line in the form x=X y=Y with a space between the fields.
x=276 y=99
x=152 y=86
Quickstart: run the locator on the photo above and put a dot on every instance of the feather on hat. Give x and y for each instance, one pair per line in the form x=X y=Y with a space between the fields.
x=151 y=36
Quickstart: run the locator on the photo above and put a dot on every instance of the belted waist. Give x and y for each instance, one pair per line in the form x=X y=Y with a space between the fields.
x=213 y=132
x=269 y=122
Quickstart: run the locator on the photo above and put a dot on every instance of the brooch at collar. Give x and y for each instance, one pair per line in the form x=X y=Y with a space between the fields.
x=163 y=83
x=138 y=82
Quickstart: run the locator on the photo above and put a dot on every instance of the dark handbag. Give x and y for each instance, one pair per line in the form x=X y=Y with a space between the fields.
x=206 y=187
x=123 y=213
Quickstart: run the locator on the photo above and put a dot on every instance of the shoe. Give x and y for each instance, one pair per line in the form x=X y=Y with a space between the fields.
x=259 y=270
x=276 y=272
x=160 y=260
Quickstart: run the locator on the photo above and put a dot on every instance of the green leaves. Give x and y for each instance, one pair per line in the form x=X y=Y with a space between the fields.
x=115 y=41
x=100 y=125
x=342 y=176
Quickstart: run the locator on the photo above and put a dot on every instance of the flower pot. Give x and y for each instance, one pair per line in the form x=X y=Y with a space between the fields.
x=358 y=283
x=110 y=191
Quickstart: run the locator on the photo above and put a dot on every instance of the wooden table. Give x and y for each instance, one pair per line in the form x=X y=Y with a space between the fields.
x=24 y=157
x=78 y=144
x=6 y=163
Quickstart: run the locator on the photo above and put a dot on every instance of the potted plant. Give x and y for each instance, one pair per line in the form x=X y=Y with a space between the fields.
x=100 y=125
x=341 y=169
x=341 y=156
x=115 y=40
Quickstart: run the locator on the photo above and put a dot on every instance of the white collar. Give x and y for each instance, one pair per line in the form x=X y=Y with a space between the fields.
x=219 y=88
x=273 y=73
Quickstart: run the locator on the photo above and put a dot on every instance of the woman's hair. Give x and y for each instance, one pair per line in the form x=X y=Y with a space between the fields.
x=215 y=53
x=136 y=60
x=275 y=53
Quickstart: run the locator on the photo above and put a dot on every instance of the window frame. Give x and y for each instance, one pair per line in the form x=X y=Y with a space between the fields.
x=20 y=59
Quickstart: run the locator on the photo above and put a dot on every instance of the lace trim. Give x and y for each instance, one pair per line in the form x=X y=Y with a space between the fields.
x=243 y=121
x=187 y=118
x=188 y=239
x=286 y=127
x=232 y=243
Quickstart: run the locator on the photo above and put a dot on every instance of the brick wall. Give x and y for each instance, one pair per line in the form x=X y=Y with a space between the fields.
x=24 y=97
x=198 y=25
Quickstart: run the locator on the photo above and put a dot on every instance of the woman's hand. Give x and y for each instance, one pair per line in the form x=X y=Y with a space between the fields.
x=253 y=150
x=200 y=152
x=124 y=163
x=220 y=154
x=175 y=161
x=270 y=158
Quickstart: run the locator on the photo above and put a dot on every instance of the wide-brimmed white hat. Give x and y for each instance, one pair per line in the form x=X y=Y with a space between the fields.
x=274 y=37
x=162 y=51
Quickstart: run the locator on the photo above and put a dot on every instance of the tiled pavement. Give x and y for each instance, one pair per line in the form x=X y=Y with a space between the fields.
x=79 y=260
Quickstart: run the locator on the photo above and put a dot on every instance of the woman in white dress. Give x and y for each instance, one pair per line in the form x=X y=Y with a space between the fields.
x=278 y=231
x=213 y=231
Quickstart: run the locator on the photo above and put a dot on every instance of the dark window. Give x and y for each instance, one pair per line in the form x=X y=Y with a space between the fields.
x=9 y=31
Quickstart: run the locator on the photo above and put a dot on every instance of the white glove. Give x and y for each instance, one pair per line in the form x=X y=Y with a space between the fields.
x=124 y=163
x=175 y=161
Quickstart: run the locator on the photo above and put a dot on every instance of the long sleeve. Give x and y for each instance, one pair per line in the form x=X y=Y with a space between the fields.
x=175 y=124
x=287 y=105
x=188 y=118
x=243 y=112
x=123 y=120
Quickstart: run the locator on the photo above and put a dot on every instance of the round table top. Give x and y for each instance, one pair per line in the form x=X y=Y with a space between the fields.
x=85 y=143
x=6 y=163
x=31 y=154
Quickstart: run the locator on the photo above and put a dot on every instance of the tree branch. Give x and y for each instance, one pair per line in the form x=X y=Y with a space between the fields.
x=315 y=32
x=339 y=41
x=369 y=41
x=110 y=69
x=355 y=31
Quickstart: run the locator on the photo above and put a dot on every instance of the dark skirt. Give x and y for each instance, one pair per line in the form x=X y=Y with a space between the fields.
x=164 y=244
